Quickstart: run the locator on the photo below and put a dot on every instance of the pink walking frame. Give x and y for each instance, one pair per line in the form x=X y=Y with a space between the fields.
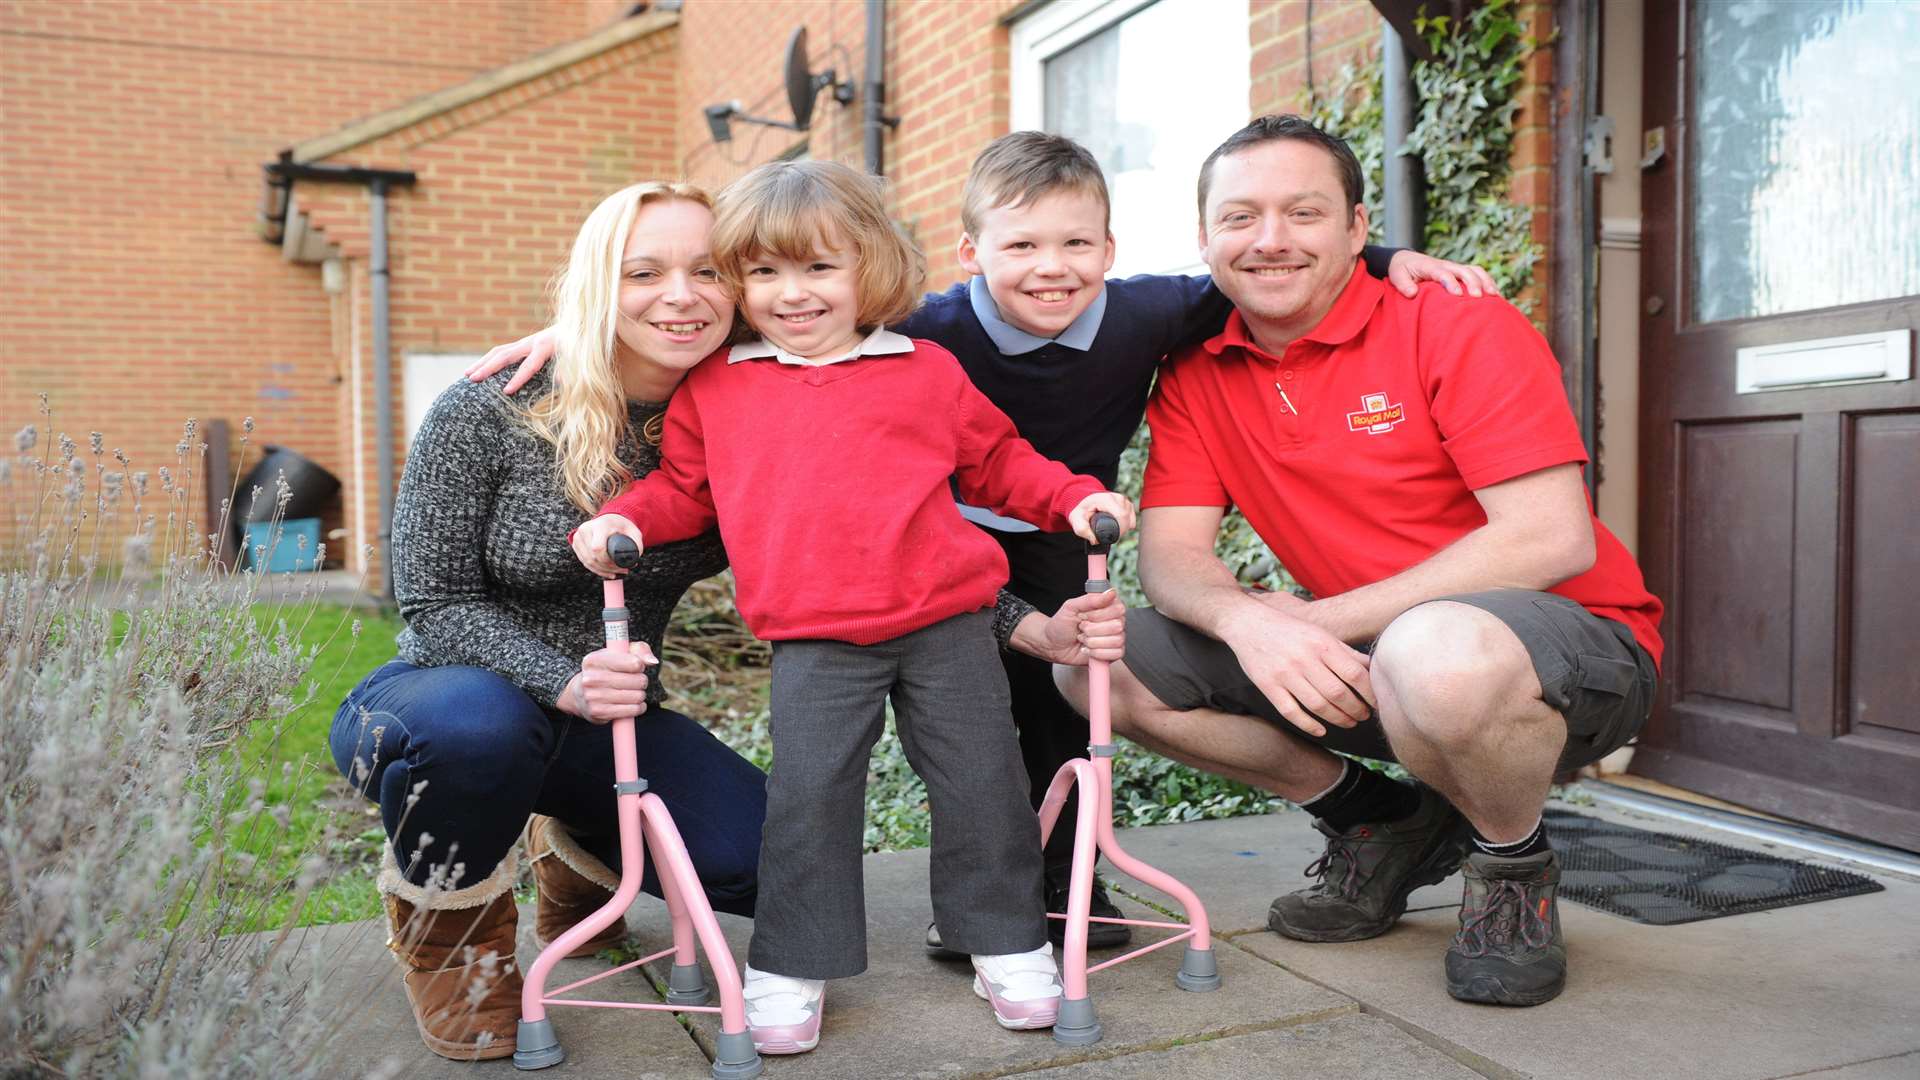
x=1093 y=835
x=644 y=820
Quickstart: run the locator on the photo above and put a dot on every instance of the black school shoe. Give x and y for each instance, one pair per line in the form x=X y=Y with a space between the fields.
x=1367 y=872
x=1509 y=950
x=1099 y=935
x=1059 y=881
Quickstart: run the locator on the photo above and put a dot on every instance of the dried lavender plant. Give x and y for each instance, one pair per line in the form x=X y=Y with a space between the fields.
x=123 y=803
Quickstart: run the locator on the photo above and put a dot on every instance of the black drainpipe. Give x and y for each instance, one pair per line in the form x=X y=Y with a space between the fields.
x=874 y=118
x=280 y=177
x=1405 y=199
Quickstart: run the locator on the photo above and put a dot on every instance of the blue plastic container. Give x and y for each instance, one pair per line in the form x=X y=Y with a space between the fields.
x=287 y=552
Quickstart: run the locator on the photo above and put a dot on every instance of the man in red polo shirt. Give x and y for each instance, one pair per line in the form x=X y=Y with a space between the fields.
x=1414 y=464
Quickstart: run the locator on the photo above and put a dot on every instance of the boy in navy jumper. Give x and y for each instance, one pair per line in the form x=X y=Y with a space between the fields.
x=1069 y=356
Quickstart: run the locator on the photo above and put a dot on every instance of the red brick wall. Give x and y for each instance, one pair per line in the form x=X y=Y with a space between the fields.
x=504 y=183
x=1284 y=75
x=132 y=284
x=946 y=81
x=131 y=136
x=1533 y=153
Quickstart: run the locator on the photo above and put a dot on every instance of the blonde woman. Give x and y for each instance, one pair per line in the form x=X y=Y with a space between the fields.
x=497 y=705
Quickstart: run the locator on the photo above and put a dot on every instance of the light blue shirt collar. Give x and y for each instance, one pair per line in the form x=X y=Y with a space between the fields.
x=882 y=342
x=1013 y=341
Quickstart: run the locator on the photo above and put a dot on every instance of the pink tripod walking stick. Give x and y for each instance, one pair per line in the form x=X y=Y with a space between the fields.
x=1093 y=834
x=643 y=820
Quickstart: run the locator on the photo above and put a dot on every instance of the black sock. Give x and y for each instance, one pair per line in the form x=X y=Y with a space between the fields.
x=1362 y=795
x=1534 y=844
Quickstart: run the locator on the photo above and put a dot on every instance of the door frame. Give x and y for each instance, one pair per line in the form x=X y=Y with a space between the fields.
x=1696 y=744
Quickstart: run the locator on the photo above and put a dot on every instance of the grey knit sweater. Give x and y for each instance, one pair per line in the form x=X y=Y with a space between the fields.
x=481 y=565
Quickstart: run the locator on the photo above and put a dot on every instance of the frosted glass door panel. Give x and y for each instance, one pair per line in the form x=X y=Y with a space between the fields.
x=1804 y=173
x=1134 y=96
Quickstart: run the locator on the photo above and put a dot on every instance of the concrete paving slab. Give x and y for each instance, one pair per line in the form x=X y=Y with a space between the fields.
x=911 y=1016
x=1343 y=1046
x=1830 y=990
x=1240 y=864
x=368 y=1007
x=1900 y=1067
x=1765 y=995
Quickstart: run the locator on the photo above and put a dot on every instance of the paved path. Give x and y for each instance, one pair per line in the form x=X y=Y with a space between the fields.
x=1829 y=990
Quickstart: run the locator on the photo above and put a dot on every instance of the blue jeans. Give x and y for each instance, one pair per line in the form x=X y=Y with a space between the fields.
x=481 y=756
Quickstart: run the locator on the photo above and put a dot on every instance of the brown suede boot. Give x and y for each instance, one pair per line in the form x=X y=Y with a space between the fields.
x=572 y=885
x=457 y=949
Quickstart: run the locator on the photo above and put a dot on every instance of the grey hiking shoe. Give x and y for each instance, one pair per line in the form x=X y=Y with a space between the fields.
x=1367 y=872
x=1509 y=950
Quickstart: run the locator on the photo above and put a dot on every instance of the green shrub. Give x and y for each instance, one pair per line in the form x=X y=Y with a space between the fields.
x=1463 y=135
x=128 y=820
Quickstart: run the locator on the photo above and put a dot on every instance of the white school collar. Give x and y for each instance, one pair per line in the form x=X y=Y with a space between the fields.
x=881 y=342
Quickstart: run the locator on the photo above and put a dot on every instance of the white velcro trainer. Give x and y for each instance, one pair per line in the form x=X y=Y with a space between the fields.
x=783 y=1014
x=1023 y=988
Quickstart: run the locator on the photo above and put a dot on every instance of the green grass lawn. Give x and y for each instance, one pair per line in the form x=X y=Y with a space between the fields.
x=290 y=756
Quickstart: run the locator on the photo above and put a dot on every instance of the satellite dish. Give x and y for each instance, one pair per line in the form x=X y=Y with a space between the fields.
x=801 y=87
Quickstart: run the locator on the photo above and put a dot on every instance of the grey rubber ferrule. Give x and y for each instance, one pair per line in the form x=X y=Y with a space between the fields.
x=613 y=614
x=1105 y=749
x=629 y=787
x=535 y=1046
x=1099 y=585
x=1197 y=971
x=1076 y=1024
x=686 y=986
x=734 y=1057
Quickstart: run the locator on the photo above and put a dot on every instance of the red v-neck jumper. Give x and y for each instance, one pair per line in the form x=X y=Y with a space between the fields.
x=831 y=488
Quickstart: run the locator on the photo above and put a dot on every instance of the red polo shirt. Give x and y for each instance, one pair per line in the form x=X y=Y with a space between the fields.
x=1355 y=453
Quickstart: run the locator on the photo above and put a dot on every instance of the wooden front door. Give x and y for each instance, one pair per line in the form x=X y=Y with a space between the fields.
x=1780 y=484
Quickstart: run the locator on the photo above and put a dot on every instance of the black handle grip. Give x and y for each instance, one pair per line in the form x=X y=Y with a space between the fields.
x=1105 y=528
x=623 y=551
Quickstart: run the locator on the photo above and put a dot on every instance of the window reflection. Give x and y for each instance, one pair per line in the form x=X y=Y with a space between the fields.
x=1151 y=121
x=1806 y=148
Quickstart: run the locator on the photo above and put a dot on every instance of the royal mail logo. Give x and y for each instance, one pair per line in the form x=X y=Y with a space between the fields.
x=1376 y=416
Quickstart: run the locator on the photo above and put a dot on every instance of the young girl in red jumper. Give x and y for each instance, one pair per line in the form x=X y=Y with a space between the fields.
x=825 y=451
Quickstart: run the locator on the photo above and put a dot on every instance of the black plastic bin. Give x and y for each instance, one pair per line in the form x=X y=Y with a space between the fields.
x=312 y=487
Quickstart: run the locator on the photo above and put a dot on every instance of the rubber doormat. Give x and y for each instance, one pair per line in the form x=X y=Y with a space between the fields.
x=1664 y=880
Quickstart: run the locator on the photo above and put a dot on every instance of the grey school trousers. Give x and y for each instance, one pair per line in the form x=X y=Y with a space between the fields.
x=951 y=709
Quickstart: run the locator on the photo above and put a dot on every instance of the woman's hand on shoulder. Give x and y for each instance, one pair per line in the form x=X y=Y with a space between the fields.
x=610 y=685
x=531 y=353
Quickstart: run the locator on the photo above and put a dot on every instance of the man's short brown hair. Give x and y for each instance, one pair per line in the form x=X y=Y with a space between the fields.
x=1289 y=127
x=1016 y=169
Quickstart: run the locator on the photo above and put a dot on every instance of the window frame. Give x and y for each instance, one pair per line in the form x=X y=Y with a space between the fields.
x=1044 y=33
x=1055 y=27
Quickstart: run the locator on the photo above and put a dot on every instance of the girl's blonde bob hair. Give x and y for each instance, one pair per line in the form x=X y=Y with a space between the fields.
x=794 y=209
x=584 y=414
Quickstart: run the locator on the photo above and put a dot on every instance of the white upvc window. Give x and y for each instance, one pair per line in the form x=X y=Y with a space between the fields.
x=1150 y=87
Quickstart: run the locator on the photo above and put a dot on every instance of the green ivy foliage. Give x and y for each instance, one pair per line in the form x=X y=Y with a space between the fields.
x=1469 y=97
